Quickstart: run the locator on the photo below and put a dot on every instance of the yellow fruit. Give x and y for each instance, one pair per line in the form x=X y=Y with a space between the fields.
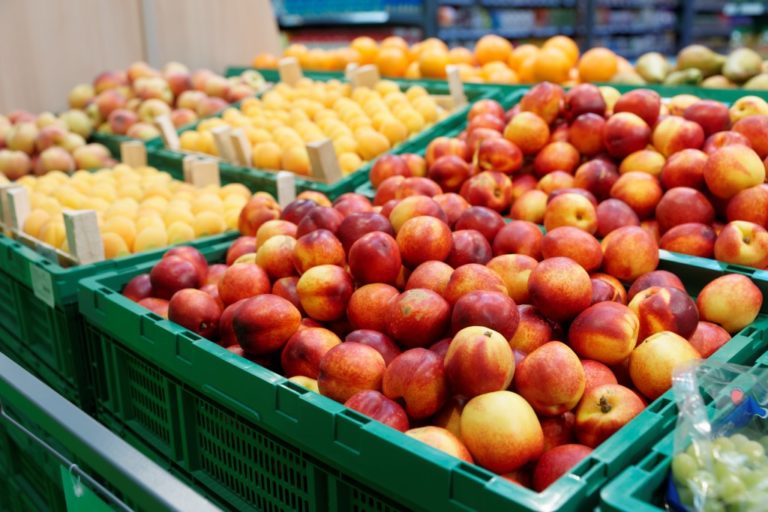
x=95 y=203
x=232 y=218
x=415 y=91
x=151 y=219
x=35 y=221
x=295 y=159
x=52 y=232
x=124 y=227
x=235 y=189
x=150 y=237
x=172 y=215
x=394 y=130
x=233 y=201
x=155 y=202
x=208 y=223
x=180 y=232
x=432 y=63
x=207 y=203
x=349 y=162
x=413 y=120
x=366 y=48
x=371 y=143
x=266 y=155
x=344 y=144
x=427 y=107
x=385 y=87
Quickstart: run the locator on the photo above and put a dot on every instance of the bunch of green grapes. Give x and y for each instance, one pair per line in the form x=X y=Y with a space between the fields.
x=725 y=474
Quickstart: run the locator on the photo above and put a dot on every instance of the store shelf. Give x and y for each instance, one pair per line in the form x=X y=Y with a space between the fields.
x=711 y=31
x=527 y=3
x=712 y=6
x=287 y=21
x=645 y=28
x=636 y=4
x=457 y=33
x=745 y=9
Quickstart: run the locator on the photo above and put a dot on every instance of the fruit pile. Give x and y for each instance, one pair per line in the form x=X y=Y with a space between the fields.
x=127 y=102
x=362 y=124
x=520 y=364
x=698 y=65
x=42 y=143
x=691 y=172
x=138 y=209
x=494 y=60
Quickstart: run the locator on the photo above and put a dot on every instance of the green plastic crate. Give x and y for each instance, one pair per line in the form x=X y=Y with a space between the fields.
x=112 y=141
x=642 y=487
x=38 y=310
x=259 y=179
x=207 y=411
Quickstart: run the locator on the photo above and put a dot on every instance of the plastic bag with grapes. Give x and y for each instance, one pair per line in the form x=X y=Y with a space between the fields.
x=721 y=439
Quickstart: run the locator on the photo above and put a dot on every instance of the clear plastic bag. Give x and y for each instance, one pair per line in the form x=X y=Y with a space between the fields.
x=721 y=439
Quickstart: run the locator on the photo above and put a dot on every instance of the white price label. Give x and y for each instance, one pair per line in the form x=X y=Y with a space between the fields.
x=42 y=284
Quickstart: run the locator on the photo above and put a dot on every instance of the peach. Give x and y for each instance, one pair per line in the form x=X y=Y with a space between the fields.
x=560 y=288
x=645 y=160
x=684 y=169
x=629 y=252
x=681 y=205
x=297 y=209
x=607 y=288
x=573 y=243
x=571 y=209
x=527 y=131
x=387 y=190
x=263 y=324
x=472 y=277
x=754 y=129
x=54 y=159
x=486 y=121
x=415 y=206
x=545 y=100
x=417 y=317
x=732 y=301
x=644 y=103
x=355 y=225
x=275 y=256
x=481 y=219
x=747 y=106
x=424 y=238
x=558 y=430
x=140 y=287
x=258 y=210
x=387 y=166
x=743 y=243
x=485 y=106
x=656 y=278
x=625 y=133
x=285 y=287
x=324 y=292
x=712 y=116
x=171 y=274
x=556 y=181
x=442 y=440
x=664 y=309
x=376 y=339
x=639 y=190
x=500 y=155
x=443 y=146
x=583 y=99
x=368 y=305
x=501 y=431
x=416 y=163
x=493 y=310
x=417 y=378
x=606 y=332
x=750 y=204
x=519 y=237
x=469 y=246
x=653 y=361
x=708 y=338
x=319 y=217
x=350 y=203
x=597 y=176
x=157 y=306
x=196 y=310
x=586 y=134
x=449 y=417
x=722 y=139
x=514 y=270
x=432 y=275
x=268 y=230
x=347 y=369
x=477 y=136
x=243 y=245
x=14 y=164
x=596 y=374
x=533 y=330
x=613 y=214
x=523 y=183
x=377 y=406
x=453 y=205
x=227 y=337
x=319 y=247
x=450 y=172
x=478 y=361
x=490 y=189
x=674 y=134
x=551 y=379
x=732 y=169
x=557 y=462
x=603 y=411
x=108 y=101
x=530 y=207
x=303 y=351
x=556 y=156
x=375 y=257
x=691 y=238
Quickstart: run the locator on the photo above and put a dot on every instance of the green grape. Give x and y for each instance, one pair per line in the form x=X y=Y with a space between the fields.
x=701 y=451
x=756 y=502
x=713 y=506
x=739 y=440
x=683 y=467
x=722 y=470
x=723 y=444
x=754 y=451
x=764 y=442
x=731 y=489
x=703 y=483
x=686 y=495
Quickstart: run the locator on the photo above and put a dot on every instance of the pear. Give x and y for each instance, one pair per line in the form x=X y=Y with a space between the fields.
x=653 y=67
x=742 y=64
x=690 y=76
x=700 y=57
x=628 y=78
x=758 y=82
x=718 y=82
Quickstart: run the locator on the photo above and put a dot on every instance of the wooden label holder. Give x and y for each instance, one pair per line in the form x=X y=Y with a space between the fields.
x=168 y=132
x=133 y=153
x=365 y=76
x=203 y=172
x=455 y=86
x=286 y=188
x=223 y=140
x=289 y=70
x=323 y=161
x=83 y=235
x=241 y=147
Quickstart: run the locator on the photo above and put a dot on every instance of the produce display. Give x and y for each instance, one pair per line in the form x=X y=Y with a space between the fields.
x=691 y=172
x=439 y=320
x=362 y=123
x=127 y=102
x=138 y=209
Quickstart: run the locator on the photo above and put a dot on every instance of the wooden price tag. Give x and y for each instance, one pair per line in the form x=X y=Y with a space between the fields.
x=186 y=166
x=241 y=146
x=289 y=70
x=204 y=172
x=365 y=76
x=349 y=71
x=133 y=153
x=286 y=188
x=223 y=140
x=18 y=208
x=5 y=206
x=83 y=235
x=455 y=86
x=168 y=132
x=323 y=161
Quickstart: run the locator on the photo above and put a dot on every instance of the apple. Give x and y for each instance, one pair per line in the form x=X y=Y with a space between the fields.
x=556 y=462
x=606 y=332
x=378 y=340
x=501 y=431
x=171 y=274
x=303 y=351
x=324 y=292
x=560 y=288
x=349 y=368
x=603 y=411
x=653 y=361
x=263 y=324
x=443 y=440
x=241 y=281
x=731 y=301
x=377 y=406
x=551 y=379
x=417 y=317
x=417 y=378
x=478 y=361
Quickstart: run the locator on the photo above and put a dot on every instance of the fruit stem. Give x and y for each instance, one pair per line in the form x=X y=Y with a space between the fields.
x=605 y=407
